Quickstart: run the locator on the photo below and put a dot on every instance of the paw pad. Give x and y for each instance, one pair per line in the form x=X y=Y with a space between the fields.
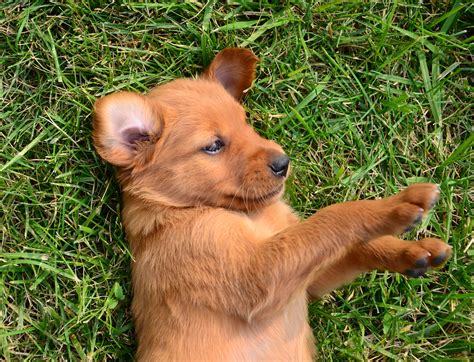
x=415 y=222
x=440 y=259
x=422 y=263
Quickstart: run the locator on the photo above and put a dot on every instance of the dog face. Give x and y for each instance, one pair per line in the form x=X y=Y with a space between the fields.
x=187 y=142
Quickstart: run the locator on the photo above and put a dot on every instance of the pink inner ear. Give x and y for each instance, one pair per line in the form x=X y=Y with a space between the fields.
x=133 y=135
x=122 y=121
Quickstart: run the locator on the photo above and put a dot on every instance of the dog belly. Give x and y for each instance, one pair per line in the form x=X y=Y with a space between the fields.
x=205 y=335
x=284 y=337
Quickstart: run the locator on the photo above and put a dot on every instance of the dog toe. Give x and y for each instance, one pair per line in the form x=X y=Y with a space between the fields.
x=424 y=195
x=439 y=251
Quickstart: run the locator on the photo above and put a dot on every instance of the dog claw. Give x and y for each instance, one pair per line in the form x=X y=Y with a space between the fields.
x=436 y=199
x=434 y=202
x=416 y=273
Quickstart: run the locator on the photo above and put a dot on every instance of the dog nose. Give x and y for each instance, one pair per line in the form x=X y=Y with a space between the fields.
x=279 y=165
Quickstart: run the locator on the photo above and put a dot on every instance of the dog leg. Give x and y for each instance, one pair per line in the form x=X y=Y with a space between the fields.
x=411 y=258
x=317 y=242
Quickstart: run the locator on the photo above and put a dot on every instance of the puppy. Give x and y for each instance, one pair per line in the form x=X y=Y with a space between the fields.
x=222 y=267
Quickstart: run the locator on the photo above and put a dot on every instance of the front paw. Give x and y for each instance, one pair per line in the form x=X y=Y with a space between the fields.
x=424 y=254
x=409 y=206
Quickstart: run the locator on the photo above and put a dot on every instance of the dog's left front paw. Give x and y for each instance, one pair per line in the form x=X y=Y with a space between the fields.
x=424 y=254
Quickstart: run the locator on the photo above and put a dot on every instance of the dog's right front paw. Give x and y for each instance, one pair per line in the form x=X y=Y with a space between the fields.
x=409 y=206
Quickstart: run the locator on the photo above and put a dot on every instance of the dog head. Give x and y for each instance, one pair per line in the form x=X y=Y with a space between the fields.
x=187 y=142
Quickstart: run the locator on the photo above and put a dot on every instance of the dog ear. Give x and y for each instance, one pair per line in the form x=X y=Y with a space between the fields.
x=124 y=123
x=234 y=68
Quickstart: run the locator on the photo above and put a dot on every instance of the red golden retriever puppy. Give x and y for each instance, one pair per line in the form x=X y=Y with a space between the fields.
x=222 y=267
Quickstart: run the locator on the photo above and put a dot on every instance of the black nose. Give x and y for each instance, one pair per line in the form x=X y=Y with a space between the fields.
x=279 y=165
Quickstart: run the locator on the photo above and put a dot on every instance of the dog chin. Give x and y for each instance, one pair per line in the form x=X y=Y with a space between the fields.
x=253 y=202
x=276 y=193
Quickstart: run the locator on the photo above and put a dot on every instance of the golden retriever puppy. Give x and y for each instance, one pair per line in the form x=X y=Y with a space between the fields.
x=222 y=267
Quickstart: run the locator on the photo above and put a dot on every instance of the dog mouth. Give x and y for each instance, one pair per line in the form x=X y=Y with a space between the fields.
x=256 y=198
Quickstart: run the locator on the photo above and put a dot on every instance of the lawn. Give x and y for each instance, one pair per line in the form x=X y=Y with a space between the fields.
x=366 y=98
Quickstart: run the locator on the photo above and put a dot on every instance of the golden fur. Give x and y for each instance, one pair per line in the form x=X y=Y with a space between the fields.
x=221 y=265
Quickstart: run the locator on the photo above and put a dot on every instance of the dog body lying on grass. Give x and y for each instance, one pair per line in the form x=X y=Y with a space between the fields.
x=222 y=266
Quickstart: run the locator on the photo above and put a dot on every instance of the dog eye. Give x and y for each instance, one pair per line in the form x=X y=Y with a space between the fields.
x=214 y=147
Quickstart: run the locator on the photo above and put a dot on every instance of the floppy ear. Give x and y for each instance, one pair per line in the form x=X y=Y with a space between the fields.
x=234 y=68
x=123 y=123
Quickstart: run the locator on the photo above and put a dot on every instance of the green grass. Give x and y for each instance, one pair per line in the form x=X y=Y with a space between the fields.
x=366 y=98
